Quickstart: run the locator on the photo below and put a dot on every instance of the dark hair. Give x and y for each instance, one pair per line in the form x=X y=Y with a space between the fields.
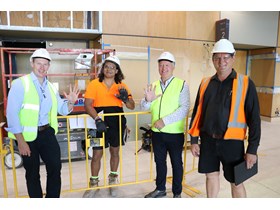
x=118 y=77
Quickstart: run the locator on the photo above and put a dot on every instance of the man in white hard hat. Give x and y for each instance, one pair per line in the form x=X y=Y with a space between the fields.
x=168 y=100
x=33 y=104
x=226 y=104
x=107 y=94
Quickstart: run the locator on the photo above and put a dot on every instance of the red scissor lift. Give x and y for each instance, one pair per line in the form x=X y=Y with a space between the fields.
x=90 y=72
x=8 y=75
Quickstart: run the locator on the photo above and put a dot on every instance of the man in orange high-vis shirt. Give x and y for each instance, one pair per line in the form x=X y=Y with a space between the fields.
x=226 y=104
x=108 y=94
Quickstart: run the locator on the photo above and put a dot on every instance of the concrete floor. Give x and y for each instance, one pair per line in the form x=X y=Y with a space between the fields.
x=266 y=184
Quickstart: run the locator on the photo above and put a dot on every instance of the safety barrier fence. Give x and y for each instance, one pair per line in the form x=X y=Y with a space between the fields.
x=72 y=183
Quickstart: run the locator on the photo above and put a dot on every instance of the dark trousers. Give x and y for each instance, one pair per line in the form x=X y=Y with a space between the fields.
x=173 y=144
x=46 y=147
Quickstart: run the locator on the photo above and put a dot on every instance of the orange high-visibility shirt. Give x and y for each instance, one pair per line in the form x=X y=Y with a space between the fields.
x=102 y=96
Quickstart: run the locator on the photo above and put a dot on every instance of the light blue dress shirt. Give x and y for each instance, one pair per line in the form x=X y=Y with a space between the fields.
x=15 y=100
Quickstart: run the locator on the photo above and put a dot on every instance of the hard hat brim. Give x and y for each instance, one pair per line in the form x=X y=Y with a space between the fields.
x=166 y=60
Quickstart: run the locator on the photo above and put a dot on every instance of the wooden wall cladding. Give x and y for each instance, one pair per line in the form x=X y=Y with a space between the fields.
x=263 y=51
x=277 y=75
x=134 y=69
x=52 y=19
x=56 y=19
x=167 y=24
x=201 y=25
x=193 y=60
x=277 y=71
x=275 y=104
x=85 y=20
x=265 y=101
x=262 y=72
x=269 y=103
x=183 y=25
x=240 y=61
x=132 y=23
x=3 y=18
x=27 y=18
x=79 y=20
x=278 y=44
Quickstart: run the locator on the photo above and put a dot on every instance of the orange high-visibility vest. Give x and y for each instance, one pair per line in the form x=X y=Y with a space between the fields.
x=237 y=125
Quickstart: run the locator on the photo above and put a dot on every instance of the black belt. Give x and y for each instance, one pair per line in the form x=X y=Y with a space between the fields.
x=217 y=136
x=43 y=127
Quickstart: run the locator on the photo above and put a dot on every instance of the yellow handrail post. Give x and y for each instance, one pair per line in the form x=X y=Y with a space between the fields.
x=3 y=152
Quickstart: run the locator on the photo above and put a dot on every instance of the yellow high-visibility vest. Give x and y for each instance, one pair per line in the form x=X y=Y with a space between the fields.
x=166 y=104
x=29 y=113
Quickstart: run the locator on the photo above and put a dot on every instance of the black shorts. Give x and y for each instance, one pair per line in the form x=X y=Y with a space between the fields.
x=216 y=151
x=112 y=138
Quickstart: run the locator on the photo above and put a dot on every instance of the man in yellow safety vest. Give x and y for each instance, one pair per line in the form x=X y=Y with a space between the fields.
x=33 y=104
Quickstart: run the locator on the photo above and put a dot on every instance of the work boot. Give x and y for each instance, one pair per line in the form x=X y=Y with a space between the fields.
x=113 y=179
x=93 y=182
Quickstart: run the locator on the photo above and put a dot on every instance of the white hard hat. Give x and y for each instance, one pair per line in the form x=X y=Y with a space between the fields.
x=113 y=59
x=166 y=56
x=223 y=46
x=40 y=53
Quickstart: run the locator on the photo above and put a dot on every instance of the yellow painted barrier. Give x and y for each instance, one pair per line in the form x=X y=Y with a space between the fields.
x=70 y=183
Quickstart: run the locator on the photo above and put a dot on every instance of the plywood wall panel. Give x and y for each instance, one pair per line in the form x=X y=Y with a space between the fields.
x=263 y=51
x=79 y=20
x=27 y=18
x=277 y=75
x=277 y=71
x=130 y=23
x=278 y=37
x=167 y=24
x=193 y=61
x=240 y=61
x=56 y=19
x=275 y=104
x=201 y=25
x=262 y=72
x=183 y=25
x=3 y=18
x=135 y=70
x=265 y=101
x=85 y=20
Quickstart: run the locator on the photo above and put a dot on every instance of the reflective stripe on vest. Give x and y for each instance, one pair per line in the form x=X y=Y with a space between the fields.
x=29 y=113
x=237 y=120
x=237 y=125
x=166 y=104
x=30 y=106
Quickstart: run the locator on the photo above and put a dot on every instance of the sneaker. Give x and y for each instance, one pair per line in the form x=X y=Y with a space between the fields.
x=93 y=182
x=113 y=179
x=156 y=194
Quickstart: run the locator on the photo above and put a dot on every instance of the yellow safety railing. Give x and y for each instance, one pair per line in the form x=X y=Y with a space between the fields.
x=122 y=182
x=3 y=152
x=189 y=190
